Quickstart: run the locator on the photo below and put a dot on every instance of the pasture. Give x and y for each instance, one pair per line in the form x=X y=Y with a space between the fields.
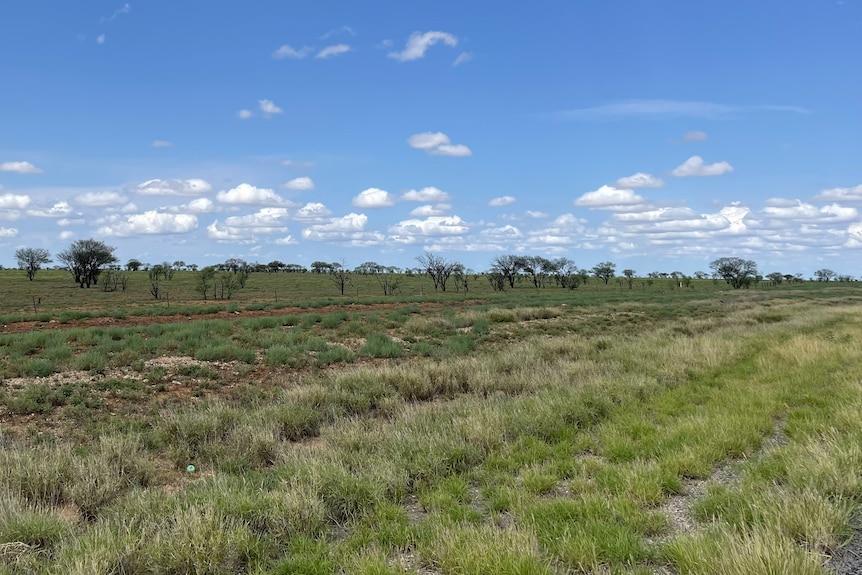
x=293 y=430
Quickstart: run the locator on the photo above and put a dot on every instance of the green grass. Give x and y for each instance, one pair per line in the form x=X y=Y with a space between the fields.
x=510 y=436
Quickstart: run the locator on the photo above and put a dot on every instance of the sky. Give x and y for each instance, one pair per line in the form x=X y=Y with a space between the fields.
x=657 y=135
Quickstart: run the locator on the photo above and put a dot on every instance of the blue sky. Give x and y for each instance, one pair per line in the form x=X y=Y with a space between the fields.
x=658 y=135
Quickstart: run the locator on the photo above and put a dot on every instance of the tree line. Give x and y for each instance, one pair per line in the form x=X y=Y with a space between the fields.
x=90 y=260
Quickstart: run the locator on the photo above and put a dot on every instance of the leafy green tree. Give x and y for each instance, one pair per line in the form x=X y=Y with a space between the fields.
x=737 y=272
x=630 y=277
x=133 y=265
x=85 y=260
x=31 y=260
x=604 y=271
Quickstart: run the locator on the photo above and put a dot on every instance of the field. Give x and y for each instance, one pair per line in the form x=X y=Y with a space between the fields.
x=291 y=429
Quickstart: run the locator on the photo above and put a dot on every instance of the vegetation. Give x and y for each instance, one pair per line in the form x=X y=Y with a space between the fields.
x=526 y=431
x=31 y=260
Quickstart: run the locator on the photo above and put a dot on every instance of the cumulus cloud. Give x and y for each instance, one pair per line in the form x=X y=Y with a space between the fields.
x=58 y=210
x=244 y=114
x=245 y=228
x=431 y=226
x=419 y=43
x=63 y=222
x=196 y=206
x=269 y=108
x=303 y=183
x=694 y=166
x=565 y=230
x=502 y=201
x=853 y=194
x=192 y=187
x=427 y=194
x=349 y=227
x=250 y=195
x=14 y=201
x=286 y=241
x=161 y=144
x=640 y=180
x=780 y=208
x=151 y=222
x=609 y=198
x=19 y=168
x=312 y=212
x=66 y=235
x=8 y=232
x=286 y=51
x=429 y=210
x=438 y=144
x=335 y=50
x=695 y=136
x=100 y=199
x=373 y=198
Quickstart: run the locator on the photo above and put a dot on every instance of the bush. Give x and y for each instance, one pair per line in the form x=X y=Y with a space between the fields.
x=381 y=345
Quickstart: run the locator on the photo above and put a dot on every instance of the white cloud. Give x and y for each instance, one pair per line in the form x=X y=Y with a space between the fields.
x=151 y=222
x=125 y=9
x=63 y=222
x=100 y=199
x=780 y=208
x=418 y=44
x=502 y=201
x=337 y=31
x=250 y=195
x=161 y=144
x=244 y=114
x=609 y=198
x=19 y=168
x=667 y=109
x=269 y=108
x=312 y=212
x=192 y=187
x=265 y=220
x=297 y=164
x=286 y=241
x=431 y=226
x=695 y=136
x=66 y=235
x=100 y=39
x=8 y=232
x=438 y=144
x=426 y=194
x=303 y=183
x=286 y=51
x=429 y=210
x=373 y=198
x=345 y=228
x=14 y=201
x=196 y=206
x=640 y=180
x=565 y=230
x=536 y=215
x=462 y=58
x=336 y=50
x=58 y=210
x=853 y=194
x=502 y=233
x=694 y=166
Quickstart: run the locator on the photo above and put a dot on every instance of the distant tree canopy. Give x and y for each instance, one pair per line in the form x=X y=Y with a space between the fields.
x=85 y=260
x=604 y=271
x=739 y=273
x=31 y=260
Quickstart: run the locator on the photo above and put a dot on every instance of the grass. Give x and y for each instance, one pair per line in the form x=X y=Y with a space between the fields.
x=500 y=437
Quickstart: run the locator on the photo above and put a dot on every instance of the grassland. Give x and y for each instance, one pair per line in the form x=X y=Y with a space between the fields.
x=601 y=430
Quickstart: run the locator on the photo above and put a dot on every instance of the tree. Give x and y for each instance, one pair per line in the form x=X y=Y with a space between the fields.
x=630 y=277
x=437 y=268
x=133 y=265
x=508 y=267
x=737 y=272
x=340 y=275
x=604 y=271
x=775 y=277
x=85 y=259
x=204 y=280
x=388 y=280
x=31 y=260
x=825 y=275
x=321 y=267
